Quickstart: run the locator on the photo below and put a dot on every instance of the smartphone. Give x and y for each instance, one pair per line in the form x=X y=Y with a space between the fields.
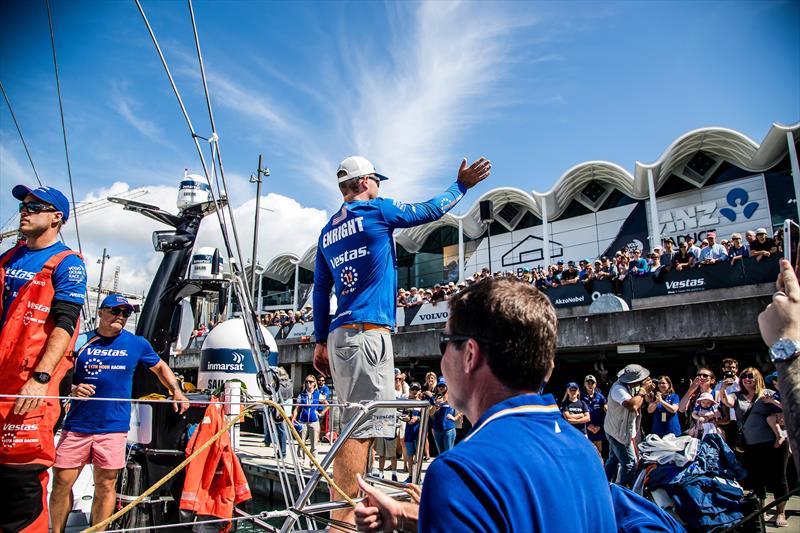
x=791 y=237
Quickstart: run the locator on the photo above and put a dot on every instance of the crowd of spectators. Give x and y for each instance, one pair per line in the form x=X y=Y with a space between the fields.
x=743 y=407
x=287 y=319
x=625 y=262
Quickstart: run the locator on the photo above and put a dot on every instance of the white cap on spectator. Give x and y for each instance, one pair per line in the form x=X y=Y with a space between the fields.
x=761 y=231
x=356 y=166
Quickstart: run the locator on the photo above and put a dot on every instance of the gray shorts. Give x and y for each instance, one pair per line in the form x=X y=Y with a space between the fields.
x=362 y=364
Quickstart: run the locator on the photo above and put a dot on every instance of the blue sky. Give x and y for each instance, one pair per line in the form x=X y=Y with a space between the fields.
x=536 y=87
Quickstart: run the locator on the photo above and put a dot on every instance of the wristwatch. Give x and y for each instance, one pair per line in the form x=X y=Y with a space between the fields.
x=784 y=350
x=41 y=377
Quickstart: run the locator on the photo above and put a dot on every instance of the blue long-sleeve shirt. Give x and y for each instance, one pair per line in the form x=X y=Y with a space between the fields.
x=356 y=257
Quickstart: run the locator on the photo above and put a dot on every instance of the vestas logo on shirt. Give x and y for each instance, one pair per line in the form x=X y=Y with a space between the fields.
x=349 y=255
x=106 y=351
x=18 y=273
x=351 y=227
x=38 y=307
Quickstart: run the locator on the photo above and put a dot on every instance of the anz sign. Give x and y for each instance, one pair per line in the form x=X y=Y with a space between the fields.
x=726 y=208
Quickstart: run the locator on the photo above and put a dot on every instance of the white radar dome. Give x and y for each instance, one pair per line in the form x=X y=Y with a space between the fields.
x=226 y=355
x=194 y=190
x=203 y=262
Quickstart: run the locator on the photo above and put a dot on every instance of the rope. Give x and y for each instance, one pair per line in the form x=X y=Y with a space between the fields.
x=169 y=475
x=236 y=419
x=19 y=130
x=264 y=515
x=196 y=402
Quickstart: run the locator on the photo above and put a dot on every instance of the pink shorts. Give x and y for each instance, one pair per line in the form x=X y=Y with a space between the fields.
x=104 y=450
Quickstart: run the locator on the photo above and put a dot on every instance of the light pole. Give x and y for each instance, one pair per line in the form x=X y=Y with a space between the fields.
x=256 y=178
x=102 y=262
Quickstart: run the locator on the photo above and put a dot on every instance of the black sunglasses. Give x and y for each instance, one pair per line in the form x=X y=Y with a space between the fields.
x=36 y=207
x=704 y=376
x=748 y=376
x=376 y=180
x=116 y=311
x=445 y=339
x=310 y=381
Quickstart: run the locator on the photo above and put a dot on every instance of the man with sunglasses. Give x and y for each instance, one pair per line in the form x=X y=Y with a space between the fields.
x=517 y=469
x=356 y=258
x=96 y=431
x=42 y=288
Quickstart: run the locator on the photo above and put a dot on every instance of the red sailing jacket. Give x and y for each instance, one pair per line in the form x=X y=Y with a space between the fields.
x=28 y=438
x=215 y=481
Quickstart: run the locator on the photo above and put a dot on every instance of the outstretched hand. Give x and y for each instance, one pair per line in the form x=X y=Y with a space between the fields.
x=321 y=362
x=781 y=318
x=479 y=170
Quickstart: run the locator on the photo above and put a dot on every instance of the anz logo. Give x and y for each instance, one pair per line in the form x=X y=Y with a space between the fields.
x=738 y=198
x=238 y=358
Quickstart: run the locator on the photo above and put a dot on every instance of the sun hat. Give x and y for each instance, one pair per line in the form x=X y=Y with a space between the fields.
x=632 y=374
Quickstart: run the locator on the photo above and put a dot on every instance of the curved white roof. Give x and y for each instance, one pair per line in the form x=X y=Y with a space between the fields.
x=726 y=144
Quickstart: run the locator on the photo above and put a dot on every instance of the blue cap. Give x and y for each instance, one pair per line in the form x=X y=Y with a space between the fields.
x=116 y=300
x=573 y=385
x=48 y=195
x=770 y=378
x=441 y=381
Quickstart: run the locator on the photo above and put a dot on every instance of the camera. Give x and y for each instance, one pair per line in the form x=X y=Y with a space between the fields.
x=729 y=374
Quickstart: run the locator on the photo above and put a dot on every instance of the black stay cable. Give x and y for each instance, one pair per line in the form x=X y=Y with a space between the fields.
x=19 y=130
x=63 y=125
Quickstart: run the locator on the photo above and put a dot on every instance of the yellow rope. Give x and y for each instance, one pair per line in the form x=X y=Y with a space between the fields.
x=208 y=443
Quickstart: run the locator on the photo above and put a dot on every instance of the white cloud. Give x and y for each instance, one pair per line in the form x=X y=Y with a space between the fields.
x=127 y=107
x=126 y=236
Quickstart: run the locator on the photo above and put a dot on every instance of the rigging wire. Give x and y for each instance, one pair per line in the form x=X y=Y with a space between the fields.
x=85 y=307
x=214 y=136
x=22 y=137
x=63 y=125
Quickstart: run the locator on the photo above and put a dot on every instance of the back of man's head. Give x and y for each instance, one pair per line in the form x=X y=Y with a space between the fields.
x=518 y=321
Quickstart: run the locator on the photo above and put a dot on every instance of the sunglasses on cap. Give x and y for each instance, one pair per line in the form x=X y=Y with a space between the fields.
x=36 y=207
x=116 y=311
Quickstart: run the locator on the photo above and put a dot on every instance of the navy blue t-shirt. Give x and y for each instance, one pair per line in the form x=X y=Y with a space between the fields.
x=597 y=412
x=356 y=256
x=108 y=363
x=412 y=430
x=69 y=277
x=577 y=407
x=510 y=474
x=440 y=420
x=665 y=422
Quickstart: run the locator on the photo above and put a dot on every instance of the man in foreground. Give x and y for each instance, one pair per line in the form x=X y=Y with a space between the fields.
x=42 y=288
x=95 y=431
x=356 y=257
x=523 y=467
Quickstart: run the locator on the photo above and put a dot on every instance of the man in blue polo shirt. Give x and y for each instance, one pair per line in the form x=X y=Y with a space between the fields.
x=95 y=431
x=597 y=412
x=523 y=467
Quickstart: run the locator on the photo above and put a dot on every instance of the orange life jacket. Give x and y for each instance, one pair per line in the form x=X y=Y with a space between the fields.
x=215 y=481
x=28 y=438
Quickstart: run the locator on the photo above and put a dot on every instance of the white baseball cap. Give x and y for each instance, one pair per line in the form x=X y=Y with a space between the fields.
x=356 y=166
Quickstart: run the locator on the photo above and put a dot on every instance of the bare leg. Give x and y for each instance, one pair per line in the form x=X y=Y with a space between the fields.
x=61 y=500
x=105 y=494
x=351 y=460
